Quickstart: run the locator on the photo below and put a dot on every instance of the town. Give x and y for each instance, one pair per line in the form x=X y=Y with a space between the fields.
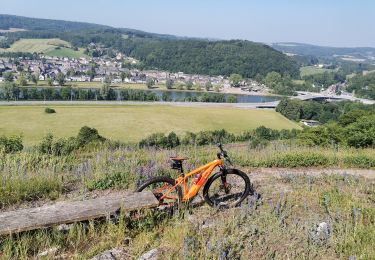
x=116 y=70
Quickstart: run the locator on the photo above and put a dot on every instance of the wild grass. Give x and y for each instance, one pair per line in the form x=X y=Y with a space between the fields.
x=280 y=224
x=100 y=167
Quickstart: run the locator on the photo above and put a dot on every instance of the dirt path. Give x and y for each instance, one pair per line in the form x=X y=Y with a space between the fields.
x=261 y=174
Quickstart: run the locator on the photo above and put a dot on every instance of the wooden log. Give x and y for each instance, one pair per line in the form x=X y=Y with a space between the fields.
x=70 y=212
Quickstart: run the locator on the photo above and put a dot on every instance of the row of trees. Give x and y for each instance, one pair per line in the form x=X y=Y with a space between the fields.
x=172 y=140
x=10 y=91
x=347 y=123
x=363 y=85
x=321 y=111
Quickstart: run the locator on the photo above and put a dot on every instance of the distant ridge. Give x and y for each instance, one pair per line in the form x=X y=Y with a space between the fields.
x=157 y=51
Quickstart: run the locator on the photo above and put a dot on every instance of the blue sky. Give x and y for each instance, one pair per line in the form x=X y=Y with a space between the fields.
x=323 y=22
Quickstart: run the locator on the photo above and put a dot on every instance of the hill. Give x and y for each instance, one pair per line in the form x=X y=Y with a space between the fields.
x=159 y=51
x=359 y=54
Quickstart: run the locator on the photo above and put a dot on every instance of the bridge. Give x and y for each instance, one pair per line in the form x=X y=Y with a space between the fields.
x=326 y=97
x=306 y=96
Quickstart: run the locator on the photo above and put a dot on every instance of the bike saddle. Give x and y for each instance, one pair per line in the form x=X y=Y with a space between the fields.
x=177 y=163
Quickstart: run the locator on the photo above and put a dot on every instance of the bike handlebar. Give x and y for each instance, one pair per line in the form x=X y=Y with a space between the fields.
x=223 y=153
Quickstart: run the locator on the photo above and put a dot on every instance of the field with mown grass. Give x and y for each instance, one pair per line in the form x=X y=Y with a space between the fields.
x=312 y=70
x=130 y=123
x=66 y=52
x=291 y=216
x=52 y=47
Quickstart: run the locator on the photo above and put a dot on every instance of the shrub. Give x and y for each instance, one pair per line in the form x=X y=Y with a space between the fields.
x=160 y=140
x=232 y=99
x=299 y=160
x=49 y=110
x=11 y=144
x=86 y=135
x=360 y=161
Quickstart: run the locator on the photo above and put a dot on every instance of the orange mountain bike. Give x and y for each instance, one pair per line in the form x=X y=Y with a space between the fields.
x=226 y=188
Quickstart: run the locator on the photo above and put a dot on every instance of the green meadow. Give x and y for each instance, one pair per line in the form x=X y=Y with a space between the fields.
x=130 y=123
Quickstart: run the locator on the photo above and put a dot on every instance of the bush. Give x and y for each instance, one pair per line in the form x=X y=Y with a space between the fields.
x=232 y=99
x=360 y=161
x=65 y=146
x=11 y=144
x=49 y=110
x=160 y=140
x=292 y=160
x=87 y=135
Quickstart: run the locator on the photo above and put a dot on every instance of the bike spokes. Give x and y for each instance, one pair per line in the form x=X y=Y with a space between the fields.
x=227 y=191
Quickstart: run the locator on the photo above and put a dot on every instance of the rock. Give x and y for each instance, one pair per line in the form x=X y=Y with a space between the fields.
x=150 y=255
x=322 y=233
x=112 y=254
x=49 y=251
x=64 y=227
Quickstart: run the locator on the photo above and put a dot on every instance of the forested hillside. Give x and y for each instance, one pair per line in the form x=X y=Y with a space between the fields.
x=156 y=51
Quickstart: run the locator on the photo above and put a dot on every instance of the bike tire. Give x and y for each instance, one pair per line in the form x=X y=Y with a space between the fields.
x=161 y=180
x=247 y=188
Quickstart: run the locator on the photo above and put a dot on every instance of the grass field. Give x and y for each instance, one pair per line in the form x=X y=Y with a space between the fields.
x=46 y=46
x=66 y=52
x=130 y=123
x=311 y=70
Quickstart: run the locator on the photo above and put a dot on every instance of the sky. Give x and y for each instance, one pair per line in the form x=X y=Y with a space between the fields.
x=341 y=23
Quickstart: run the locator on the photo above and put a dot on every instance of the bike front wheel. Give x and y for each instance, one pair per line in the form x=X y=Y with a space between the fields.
x=227 y=189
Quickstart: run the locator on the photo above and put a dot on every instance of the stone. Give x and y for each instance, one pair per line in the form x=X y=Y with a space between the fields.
x=150 y=255
x=113 y=254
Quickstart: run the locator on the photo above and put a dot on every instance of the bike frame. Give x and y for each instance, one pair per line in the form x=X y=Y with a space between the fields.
x=190 y=192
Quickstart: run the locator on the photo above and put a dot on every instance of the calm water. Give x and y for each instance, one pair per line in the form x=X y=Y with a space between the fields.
x=181 y=95
x=173 y=95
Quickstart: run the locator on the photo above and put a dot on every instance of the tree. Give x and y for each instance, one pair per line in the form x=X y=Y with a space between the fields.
x=124 y=75
x=21 y=81
x=258 y=78
x=34 y=78
x=60 y=78
x=8 y=76
x=232 y=99
x=189 y=85
x=217 y=88
x=107 y=80
x=272 y=79
x=235 y=80
x=198 y=87
x=91 y=73
x=104 y=91
x=150 y=82
x=50 y=81
x=169 y=84
x=180 y=86
x=208 y=85
x=10 y=90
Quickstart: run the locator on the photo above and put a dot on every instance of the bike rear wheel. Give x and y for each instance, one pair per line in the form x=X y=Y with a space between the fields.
x=162 y=188
x=227 y=189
